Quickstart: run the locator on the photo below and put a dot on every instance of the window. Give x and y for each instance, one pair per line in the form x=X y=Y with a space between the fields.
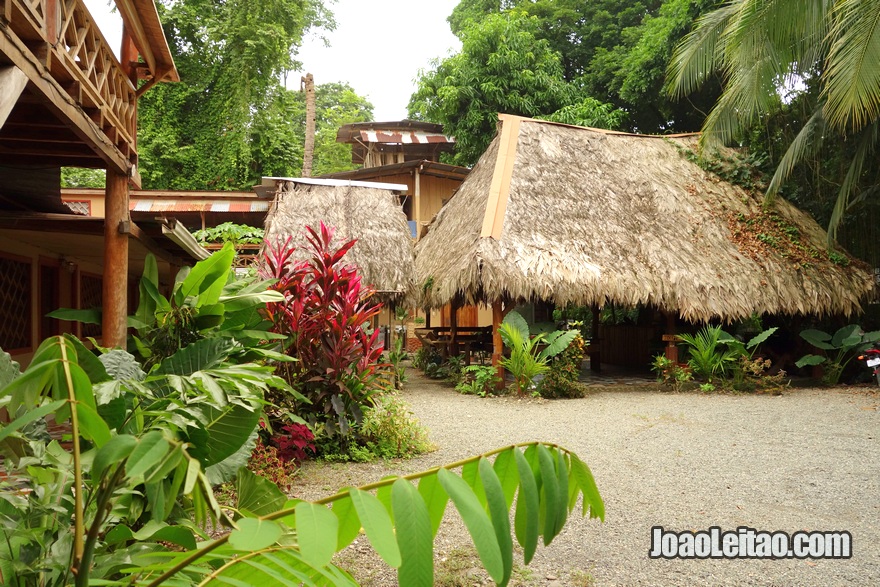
x=15 y=311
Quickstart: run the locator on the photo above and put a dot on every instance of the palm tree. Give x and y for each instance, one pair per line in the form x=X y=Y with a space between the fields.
x=763 y=46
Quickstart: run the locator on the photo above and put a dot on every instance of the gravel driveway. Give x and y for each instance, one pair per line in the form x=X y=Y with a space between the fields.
x=808 y=459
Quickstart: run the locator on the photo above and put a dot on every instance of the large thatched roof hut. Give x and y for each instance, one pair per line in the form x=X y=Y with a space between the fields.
x=367 y=211
x=591 y=217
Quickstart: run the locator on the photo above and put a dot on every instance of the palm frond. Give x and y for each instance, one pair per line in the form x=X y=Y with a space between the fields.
x=697 y=56
x=807 y=142
x=852 y=74
x=867 y=140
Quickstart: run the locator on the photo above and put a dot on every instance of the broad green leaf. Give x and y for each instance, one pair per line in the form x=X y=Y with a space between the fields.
x=527 y=506
x=84 y=316
x=414 y=537
x=146 y=310
x=279 y=565
x=809 y=360
x=203 y=354
x=316 y=530
x=228 y=468
x=435 y=498
x=377 y=525
x=562 y=499
x=169 y=463
x=551 y=491
x=254 y=534
x=505 y=468
x=518 y=323
x=91 y=425
x=121 y=365
x=349 y=522
x=761 y=337
x=584 y=478
x=92 y=365
x=207 y=278
x=817 y=338
x=116 y=450
x=228 y=429
x=149 y=452
x=257 y=494
x=846 y=336
x=156 y=501
x=383 y=494
x=470 y=472
x=28 y=417
x=499 y=514
x=241 y=302
x=477 y=521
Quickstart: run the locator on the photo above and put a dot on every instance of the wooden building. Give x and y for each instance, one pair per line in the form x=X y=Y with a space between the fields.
x=66 y=100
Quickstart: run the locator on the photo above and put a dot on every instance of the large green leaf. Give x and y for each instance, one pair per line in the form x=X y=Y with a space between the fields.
x=9 y=369
x=147 y=302
x=499 y=515
x=257 y=495
x=116 y=450
x=517 y=323
x=121 y=365
x=581 y=475
x=557 y=342
x=414 y=536
x=276 y=566
x=435 y=498
x=84 y=316
x=228 y=468
x=505 y=469
x=253 y=534
x=552 y=494
x=377 y=524
x=205 y=353
x=349 y=522
x=237 y=303
x=149 y=452
x=477 y=522
x=810 y=360
x=228 y=429
x=817 y=338
x=316 y=530
x=207 y=278
x=527 y=506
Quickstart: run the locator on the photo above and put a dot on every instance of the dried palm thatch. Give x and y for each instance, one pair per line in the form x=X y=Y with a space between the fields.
x=367 y=212
x=584 y=216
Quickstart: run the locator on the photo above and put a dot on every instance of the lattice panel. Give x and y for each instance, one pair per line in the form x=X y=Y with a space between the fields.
x=91 y=295
x=15 y=309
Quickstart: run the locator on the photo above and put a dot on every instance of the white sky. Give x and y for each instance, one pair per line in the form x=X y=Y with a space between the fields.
x=378 y=47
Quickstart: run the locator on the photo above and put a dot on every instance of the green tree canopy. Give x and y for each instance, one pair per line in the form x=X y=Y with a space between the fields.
x=502 y=67
x=765 y=49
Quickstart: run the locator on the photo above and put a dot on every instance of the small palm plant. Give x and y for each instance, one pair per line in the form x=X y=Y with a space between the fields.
x=527 y=360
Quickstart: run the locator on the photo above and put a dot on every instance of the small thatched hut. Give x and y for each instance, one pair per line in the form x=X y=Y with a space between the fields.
x=367 y=211
x=586 y=216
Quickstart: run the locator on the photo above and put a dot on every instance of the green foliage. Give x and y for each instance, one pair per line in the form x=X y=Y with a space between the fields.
x=589 y=112
x=671 y=374
x=561 y=381
x=478 y=380
x=79 y=177
x=503 y=67
x=423 y=356
x=394 y=363
x=527 y=359
x=710 y=354
x=229 y=232
x=390 y=431
x=837 y=350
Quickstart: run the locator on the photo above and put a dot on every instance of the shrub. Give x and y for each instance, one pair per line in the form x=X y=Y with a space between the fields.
x=478 y=380
x=561 y=381
x=526 y=360
x=296 y=443
x=710 y=355
x=837 y=350
x=267 y=462
x=389 y=429
x=669 y=373
x=423 y=356
x=325 y=316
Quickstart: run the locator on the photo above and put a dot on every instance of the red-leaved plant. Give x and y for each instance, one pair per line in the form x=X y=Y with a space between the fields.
x=325 y=314
x=294 y=442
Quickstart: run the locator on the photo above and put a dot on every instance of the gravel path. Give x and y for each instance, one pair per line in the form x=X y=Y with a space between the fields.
x=808 y=459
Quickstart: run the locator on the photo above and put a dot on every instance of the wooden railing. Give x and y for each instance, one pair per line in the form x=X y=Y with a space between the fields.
x=64 y=39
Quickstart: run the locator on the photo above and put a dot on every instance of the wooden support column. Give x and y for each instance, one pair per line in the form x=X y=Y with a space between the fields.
x=670 y=338
x=497 y=344
x=12 y=83
x=595 y=341
x=453 y=327
x=115 y=289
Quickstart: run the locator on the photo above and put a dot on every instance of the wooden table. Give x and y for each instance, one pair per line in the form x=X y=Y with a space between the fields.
x=468 y=339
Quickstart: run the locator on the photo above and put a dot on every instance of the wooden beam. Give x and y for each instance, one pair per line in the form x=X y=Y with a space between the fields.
x=497 y=344
x=152 y=246
x=115 y=288
x=60 y=103
x=12 y=83
x=499 y=189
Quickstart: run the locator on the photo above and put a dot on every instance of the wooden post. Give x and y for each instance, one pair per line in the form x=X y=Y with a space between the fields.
x=670 y=338
x=309 y=145
x=453 y=327
x=595 y=341
x=497 y=344
x=115 y=285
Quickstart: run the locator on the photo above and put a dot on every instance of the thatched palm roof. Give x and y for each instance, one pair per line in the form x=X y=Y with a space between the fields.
x=580 y=215
x=366 y=211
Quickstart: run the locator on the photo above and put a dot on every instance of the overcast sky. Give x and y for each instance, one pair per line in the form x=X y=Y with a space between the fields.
x=378 y=47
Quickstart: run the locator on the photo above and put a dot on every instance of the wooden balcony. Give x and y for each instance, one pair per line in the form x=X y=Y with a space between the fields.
x=79 y=105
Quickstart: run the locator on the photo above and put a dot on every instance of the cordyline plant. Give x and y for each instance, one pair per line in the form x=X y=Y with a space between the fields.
x=325 y=315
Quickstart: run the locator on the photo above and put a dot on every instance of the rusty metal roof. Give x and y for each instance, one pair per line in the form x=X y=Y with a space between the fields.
x=414 y=137
x=217 y=205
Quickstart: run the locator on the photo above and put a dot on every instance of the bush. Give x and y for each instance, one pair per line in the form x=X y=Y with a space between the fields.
x=561 y=381
x=478 y=380
x=267 y=462
x=669 y=373
x=325 y=316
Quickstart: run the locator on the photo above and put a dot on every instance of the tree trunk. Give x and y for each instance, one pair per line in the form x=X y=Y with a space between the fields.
x=309 y=147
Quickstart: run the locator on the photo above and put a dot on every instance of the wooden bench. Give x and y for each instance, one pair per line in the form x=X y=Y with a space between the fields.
x=469 y=339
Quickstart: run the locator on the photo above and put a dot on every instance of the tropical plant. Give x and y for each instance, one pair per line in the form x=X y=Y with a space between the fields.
x=837 y=350
x=230 y=232
x=764 y=48
x=390 y=431
x=561 y=380
x=325 y=313
x=394 y=360
x=478 y=380
x=670 y=373
x=146 y=450
x=751 y=372
x=711 y=355
x=527 y=359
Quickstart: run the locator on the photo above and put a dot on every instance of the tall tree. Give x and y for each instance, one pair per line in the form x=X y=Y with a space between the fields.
x=502 y=67
x=231 y=57
x=764 y=48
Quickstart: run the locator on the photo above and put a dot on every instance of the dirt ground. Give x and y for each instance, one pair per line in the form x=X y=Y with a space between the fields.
x=807 y=459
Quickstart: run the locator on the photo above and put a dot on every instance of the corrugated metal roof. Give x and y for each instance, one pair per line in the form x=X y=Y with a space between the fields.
x=414 y=137
x=216 y=205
